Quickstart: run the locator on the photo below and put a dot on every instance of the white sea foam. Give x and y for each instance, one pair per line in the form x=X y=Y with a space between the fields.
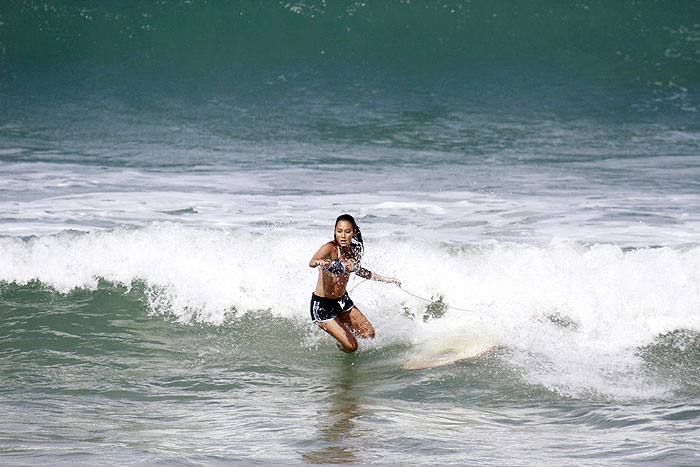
x=40 y=199
x=522 y=250
x=611 y=302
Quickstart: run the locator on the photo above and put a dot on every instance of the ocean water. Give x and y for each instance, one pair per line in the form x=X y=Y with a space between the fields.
x=529 y=169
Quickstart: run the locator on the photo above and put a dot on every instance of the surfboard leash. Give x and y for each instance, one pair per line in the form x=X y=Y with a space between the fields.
x=433 y=301
x=419 y=297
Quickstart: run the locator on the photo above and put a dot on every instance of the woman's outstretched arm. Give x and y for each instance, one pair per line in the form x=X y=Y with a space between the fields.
x=373 y=276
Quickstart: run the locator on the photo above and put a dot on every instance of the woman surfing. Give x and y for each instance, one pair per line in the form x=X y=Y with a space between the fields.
x=331 y=307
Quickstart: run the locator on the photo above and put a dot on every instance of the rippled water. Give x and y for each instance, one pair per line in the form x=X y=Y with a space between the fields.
x=530 y=171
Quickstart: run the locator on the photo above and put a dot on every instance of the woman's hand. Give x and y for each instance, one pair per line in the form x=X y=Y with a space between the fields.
x=322 y=262
x=393 y=280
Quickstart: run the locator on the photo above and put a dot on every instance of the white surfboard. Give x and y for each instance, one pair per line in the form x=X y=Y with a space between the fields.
x=450 y=348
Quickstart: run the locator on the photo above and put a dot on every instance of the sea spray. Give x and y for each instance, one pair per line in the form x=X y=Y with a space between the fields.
x=603 y=288
x=614 y=301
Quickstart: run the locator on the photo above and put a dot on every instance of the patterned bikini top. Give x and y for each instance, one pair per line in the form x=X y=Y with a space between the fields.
x=337 y=266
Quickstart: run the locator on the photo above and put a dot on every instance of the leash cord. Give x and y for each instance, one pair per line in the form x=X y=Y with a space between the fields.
x=418 y=297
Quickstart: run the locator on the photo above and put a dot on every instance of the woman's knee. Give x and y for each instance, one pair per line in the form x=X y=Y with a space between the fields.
x=349 y=347
x=368 y=332
x=346 y=340
x=364 y=328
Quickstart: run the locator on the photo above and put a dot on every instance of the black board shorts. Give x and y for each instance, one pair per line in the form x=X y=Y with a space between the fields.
x=325 y=309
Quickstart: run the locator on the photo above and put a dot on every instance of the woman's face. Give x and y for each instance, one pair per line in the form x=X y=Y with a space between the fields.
x=343 y=233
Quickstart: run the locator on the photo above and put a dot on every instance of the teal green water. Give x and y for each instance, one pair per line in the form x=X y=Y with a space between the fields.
x=590 y=59
x=93 y=378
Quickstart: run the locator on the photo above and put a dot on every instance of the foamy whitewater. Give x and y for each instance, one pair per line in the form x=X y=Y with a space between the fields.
x=530 y=173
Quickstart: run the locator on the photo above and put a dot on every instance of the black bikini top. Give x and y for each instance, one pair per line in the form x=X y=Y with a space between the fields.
x=337 y=266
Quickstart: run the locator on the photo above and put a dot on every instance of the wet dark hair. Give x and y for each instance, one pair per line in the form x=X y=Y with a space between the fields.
x=357 y=246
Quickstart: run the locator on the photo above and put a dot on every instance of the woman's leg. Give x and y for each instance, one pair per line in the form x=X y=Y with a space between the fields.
x=342 y=334
x=357 y=322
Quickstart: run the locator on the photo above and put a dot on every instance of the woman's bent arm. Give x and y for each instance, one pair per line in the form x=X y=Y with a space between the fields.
x=321 y=258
